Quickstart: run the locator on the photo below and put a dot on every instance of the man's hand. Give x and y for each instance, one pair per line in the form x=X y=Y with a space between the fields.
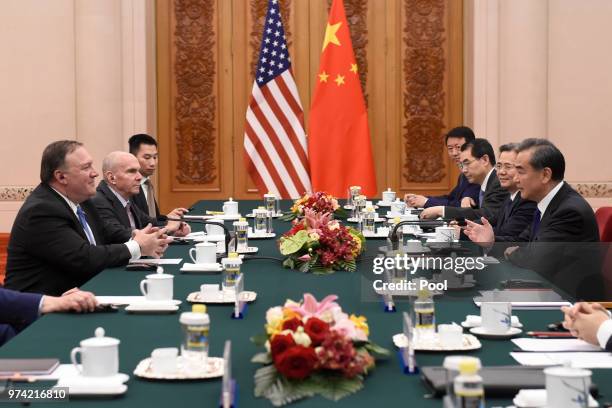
x=432 y=213
x=153 y=241
x=584 y=319
x=414 y=200
x=509 y=251
x=468 y=202
x=74 y=300
x=482 y=235
x=183 y=230
x=577 y=313
x=177 y=212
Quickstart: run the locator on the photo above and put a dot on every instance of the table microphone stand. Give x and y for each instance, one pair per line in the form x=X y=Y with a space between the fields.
x=226 y=232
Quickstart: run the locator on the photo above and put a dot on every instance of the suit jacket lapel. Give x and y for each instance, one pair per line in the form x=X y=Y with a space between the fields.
x=77 y=224
x=117 y=207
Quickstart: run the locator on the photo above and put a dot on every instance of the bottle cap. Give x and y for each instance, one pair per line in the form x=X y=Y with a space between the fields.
x=198 y=308
x=232 y=255
x=468 y=366
x=423 y=293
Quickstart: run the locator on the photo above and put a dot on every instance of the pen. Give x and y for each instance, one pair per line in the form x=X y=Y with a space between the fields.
x=548 y=334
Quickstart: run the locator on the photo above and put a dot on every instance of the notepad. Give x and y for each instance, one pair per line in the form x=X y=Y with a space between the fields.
x=578 y=360
x=547 y=345
x=27 y=366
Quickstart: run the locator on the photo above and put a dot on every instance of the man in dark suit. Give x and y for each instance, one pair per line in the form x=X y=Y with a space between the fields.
x=516 y=213
x=113 y=200
x=561 y=242
x=477 y=164
x=58 y=241
x=144 y=147
x=454 y=140
x=589 y=322
x=18 y=310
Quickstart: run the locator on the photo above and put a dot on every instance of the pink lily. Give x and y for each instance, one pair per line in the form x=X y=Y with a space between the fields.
x=314 y=221
x=310 y=306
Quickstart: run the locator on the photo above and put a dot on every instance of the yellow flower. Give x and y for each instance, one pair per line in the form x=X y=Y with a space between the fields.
x=360 y=323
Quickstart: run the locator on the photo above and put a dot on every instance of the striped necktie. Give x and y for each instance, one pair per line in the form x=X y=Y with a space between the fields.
x=151 y=199
x=85 y=225
x=128 y=210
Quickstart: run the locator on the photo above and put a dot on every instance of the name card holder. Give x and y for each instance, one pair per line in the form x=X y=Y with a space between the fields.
x=240 y=305
x=406 y=354
x=387 y=298
x=229 y=387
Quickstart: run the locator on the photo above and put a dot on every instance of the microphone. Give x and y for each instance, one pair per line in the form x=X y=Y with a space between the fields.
x=226 y=231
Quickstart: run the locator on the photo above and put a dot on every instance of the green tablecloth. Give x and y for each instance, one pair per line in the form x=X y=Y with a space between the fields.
x=55 y=335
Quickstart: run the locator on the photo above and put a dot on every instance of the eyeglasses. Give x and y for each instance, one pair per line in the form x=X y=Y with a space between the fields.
x=465 y=163
x=504 y=166
x=455 y=148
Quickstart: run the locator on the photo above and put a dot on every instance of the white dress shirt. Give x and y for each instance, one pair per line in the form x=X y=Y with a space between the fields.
x=483 y=186
x=604 y=333
x=545 y=202
x=513 y=196
x=132 y=245
x=143 y=188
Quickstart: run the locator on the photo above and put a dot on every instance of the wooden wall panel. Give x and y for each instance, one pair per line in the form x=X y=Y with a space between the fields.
x=409 y=54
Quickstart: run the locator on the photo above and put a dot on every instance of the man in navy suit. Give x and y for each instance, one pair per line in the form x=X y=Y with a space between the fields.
x=516 y=213
x=464 y=190
x=561 y=242
x=144 y=147
x=18 y=310
x=590 y=322
x=115 y=195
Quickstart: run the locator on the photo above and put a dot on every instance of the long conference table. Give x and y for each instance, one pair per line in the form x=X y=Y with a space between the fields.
x=55 y=335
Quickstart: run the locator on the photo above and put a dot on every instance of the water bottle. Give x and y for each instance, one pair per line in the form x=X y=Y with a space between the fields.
x=196 y=327
x=231 y=272
x=469 y=391
x=241 y=228
x=425 y=316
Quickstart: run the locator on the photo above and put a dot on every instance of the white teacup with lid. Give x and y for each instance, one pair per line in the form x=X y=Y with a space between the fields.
x=99 y=355
x=388 y=196
x=567 y=387
x=230 y=207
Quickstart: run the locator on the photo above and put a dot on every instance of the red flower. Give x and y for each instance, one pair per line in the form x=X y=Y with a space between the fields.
x=316 y=329
x=292 y=324
x=297 y=362
x=280 y=343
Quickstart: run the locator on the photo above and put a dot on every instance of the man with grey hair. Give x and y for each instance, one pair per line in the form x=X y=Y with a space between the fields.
x=58 y=240
x=114 y=198
x=561 y=241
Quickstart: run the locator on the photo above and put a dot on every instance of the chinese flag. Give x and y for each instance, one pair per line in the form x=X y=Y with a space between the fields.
x=339 y=146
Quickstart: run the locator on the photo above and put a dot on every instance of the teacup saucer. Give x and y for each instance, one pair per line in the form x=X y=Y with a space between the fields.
x=214 y=368
x=92 y=386
x=202 y=267
x=260 y=235
x=211 y=238
x=277 y=215
x=377 y=219
x=248 y=250
x=482 y=332
x=384 y=203
x=475 y=321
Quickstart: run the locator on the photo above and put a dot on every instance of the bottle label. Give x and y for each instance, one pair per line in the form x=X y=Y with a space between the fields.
x=197 y=336
x=424 y=318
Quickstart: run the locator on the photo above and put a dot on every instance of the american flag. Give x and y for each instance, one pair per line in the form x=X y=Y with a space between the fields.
x=274 y=138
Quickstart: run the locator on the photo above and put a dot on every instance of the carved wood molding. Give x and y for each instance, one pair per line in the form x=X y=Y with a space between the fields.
x=195 y=102
x=258 y=15
x=594 y=190
x=424 y=97
x=12 y=193
x=357 y=16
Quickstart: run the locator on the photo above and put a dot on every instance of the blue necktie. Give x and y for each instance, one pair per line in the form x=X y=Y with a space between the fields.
x=480 y=198
x=85 y=225
x=536 y=224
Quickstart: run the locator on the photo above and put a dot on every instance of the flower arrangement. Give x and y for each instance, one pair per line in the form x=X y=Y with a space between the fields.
x=319 y=202
x=319 y=244
x=313 y=348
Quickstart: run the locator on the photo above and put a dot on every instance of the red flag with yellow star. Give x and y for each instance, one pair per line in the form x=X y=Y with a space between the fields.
x=339 y=147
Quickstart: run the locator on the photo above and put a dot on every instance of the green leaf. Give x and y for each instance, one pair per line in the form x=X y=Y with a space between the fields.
x=304 y=267
x=287 y=217
x=340 y=213
x=376 y=349
x=336 y=387
x=289 y=263
x=271 y=385
x=290 y=245
x=263 y=358
x=259 y=339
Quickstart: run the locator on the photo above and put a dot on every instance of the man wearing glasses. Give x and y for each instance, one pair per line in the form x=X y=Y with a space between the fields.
x=477 y=161
x=464 y=191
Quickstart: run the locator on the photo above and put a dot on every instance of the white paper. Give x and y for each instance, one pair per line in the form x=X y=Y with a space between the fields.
x=535 y=305
x=578 y=360
x=156 y=261
x=119 y=300
x=63 y=370
x=527 y=344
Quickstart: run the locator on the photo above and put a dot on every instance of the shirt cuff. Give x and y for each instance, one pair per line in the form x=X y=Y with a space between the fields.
x=134 y=249
x=40 y=305
x=604 y=333
x=443 y=211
